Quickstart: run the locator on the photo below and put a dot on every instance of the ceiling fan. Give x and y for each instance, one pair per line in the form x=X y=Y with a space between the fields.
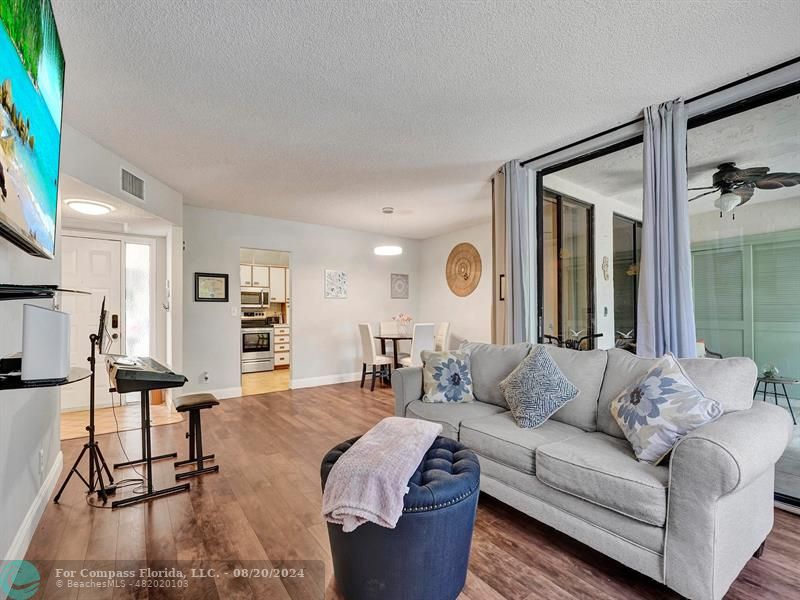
x=736 y=186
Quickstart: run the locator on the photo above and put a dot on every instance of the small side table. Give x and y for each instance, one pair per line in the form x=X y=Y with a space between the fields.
x=775 y=382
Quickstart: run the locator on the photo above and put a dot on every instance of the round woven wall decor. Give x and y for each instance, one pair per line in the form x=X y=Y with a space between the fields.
x=463 y=270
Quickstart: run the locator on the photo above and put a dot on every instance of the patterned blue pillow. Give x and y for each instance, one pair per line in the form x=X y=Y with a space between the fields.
x=663 y=407
x=446 y=377
x=536 y=389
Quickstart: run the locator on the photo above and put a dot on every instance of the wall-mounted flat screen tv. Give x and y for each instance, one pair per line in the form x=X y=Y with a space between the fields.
x=31 y=94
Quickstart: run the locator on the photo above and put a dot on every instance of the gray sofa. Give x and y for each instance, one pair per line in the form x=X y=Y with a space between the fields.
x=691 y=524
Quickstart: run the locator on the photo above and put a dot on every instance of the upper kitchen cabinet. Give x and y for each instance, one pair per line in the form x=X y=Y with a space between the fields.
x=277 y=288
x=246 y=275
x=254 y=275
x=261 y=276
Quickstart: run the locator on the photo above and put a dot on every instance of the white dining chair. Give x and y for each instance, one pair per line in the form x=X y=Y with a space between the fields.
x=442 y=338
x=389 y=328
x=370 y=358
x=421 y=339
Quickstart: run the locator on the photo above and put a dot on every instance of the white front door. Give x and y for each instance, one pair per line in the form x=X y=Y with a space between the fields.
x=92 y=265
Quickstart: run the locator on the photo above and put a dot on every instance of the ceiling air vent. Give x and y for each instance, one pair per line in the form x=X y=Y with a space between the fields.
x=132 y=184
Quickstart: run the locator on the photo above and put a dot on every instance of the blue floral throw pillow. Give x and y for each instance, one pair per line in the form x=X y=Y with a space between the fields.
x=446 y=377
x=662 y=408
x=536 y=389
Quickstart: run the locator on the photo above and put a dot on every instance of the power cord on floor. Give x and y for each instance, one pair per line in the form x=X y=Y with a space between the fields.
x=121 y=445
x=129 y=482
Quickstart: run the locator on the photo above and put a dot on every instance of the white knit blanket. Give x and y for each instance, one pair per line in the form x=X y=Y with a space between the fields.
x=369 y=480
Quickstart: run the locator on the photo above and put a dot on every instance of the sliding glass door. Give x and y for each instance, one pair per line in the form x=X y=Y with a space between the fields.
x=568 y=277
x=627 y=242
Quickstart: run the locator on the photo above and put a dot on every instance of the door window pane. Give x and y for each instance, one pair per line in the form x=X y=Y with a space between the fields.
x=627 y=253
x=137 y=299
x=568 y=298
x=550 y=232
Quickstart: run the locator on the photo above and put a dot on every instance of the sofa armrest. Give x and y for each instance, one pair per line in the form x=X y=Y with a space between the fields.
x=720 y=500
x=407 y=387
x=731 y=452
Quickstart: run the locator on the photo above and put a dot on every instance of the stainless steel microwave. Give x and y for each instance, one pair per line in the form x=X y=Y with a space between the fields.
x=254 y=297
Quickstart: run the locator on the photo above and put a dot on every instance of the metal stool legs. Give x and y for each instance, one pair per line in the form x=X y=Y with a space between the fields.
x=196 y=456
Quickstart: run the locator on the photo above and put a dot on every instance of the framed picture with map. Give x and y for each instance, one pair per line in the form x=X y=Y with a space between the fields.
x=210 y=287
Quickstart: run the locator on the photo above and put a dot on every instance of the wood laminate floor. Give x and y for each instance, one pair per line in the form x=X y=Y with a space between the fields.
x=264 y=506
x=108 y=420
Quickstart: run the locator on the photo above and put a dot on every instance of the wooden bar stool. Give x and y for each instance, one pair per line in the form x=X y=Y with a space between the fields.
x=193 y=404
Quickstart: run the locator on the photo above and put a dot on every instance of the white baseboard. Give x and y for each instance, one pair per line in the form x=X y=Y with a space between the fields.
x=221 y=394
x=325 y=380
x=29 y=524
x=787 y=507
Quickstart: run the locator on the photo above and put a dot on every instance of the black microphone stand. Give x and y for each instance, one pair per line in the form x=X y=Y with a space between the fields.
x=97 y=464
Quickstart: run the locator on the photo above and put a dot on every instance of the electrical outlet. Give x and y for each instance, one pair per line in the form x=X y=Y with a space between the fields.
x=204 y=377
x=41 y=462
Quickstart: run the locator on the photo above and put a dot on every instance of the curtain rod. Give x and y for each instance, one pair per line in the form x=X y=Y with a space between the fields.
x=689 y=101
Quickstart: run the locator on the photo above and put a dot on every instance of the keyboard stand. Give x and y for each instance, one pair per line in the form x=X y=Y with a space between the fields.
x=147 y=460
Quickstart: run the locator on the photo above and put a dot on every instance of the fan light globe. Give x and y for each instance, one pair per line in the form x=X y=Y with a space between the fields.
x=388 y=250
x=728 y=201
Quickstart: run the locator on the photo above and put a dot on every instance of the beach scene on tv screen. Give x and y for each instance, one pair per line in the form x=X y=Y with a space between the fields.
x=31 y=94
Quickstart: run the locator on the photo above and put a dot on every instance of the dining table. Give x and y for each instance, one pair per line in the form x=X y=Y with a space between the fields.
x=394 y=338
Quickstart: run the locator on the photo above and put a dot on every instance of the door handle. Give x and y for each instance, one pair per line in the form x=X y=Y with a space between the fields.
x=114 y=336
x=501 y=291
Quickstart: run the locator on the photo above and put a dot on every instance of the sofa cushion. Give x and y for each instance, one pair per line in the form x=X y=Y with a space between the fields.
x=498 y=437
x=490 y=364
x=450 y=415
x=729 y=381
x=536 y=389
x=602 y=469
x=585 y=370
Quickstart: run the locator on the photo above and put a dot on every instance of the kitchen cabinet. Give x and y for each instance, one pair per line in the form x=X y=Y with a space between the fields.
x=282 y=344
x=277 y=288
x=261 y=276
x=246 y=275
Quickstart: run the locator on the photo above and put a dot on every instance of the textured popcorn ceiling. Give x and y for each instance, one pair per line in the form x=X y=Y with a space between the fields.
x=326 y=111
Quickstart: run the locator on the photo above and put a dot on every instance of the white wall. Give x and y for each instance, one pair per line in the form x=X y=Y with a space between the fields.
x=325 y=344
x=96 y=165
x=764 y=217
x=29 y=419
x=470 y=317
x=604 y=210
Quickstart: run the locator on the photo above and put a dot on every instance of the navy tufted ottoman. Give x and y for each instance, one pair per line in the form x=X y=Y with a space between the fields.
x=425 y=557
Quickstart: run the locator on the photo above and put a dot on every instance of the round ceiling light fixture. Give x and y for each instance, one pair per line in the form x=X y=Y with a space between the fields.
x=387 y=249
x=92 y=208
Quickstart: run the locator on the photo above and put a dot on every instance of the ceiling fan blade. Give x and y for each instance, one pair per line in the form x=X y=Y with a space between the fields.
x=752 y=172
x=703 y=194
x=708 y=187
x=745 y=192
x=774 y=181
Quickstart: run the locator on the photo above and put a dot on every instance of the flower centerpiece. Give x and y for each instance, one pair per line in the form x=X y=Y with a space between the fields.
x=403 y=321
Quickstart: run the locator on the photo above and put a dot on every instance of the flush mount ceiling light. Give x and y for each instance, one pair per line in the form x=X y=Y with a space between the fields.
x=387 y=249
x=89 y=207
